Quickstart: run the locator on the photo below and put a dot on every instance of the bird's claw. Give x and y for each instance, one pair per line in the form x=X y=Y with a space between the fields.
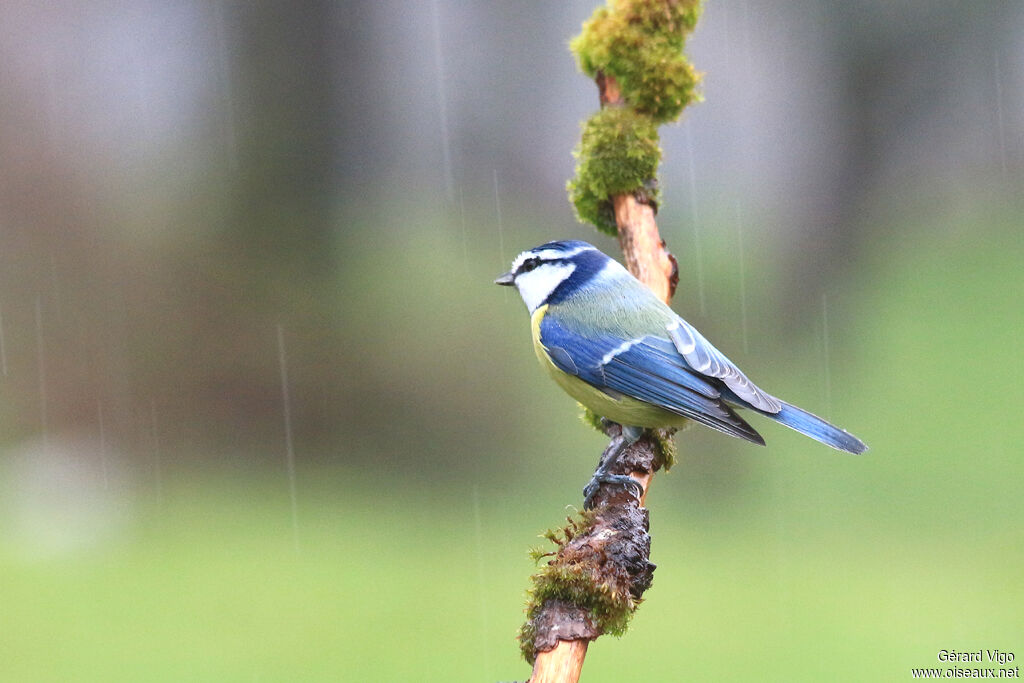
x=591 y=489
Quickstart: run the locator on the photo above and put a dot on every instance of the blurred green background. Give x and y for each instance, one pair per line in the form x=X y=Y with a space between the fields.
x=196 y=196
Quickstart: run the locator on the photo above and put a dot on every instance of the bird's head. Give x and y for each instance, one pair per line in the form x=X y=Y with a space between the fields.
x=553 y=271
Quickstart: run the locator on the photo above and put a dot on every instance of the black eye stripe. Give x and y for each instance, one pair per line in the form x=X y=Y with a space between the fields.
x=535 y=261
x=529 y=264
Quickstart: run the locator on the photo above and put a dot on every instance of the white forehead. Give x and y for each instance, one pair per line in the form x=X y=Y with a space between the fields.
x=547 y=255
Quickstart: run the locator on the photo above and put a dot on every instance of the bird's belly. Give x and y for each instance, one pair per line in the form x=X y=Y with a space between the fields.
x=625 y=410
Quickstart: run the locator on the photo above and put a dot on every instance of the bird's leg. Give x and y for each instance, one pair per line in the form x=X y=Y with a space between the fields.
x=632 y=433
x=602 y=475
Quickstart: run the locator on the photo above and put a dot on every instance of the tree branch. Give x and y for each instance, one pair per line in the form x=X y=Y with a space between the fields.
x=563 y=663
x=602 y=567
x=644 y=250
x=615 y=550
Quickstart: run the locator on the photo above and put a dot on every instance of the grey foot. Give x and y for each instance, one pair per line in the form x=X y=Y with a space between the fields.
x=590 y=490
x=632 y=434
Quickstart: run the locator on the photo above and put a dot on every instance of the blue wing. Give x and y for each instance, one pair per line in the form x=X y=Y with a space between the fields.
x=649 y=369
x=703 y=357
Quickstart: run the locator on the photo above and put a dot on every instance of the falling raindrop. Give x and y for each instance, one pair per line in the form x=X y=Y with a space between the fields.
x=694 y=219
x=501 y=228
x=103 y=445
x=289 y=449
x=501 y=233
x=449 y=183
x=726 y=39
x=225 y=83
x=55 y=115
x=55 y=281
x=482 y=583
x=3 y=348
x=41 y=354
x=825 y=355
x=155 y=446
x=1001 y=126
x=465 y=239
x=743 y=276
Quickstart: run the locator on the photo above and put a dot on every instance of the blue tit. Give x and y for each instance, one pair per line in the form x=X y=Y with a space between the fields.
x=611 y=344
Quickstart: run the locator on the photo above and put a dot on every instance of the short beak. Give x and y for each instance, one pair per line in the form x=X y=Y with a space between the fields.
x=508 y=279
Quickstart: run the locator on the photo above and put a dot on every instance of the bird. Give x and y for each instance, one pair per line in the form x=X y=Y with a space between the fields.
x=619 y=350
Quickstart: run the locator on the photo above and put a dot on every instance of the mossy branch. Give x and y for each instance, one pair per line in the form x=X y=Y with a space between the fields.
x=640 y=44
x=634 y=50
x=618 y=154
x=600 y=566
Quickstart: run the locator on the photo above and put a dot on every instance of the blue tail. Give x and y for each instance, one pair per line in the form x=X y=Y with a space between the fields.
x=816 y=428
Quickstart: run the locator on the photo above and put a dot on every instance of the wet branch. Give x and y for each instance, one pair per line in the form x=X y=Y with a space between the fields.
x=612 y=550
x=600 y=569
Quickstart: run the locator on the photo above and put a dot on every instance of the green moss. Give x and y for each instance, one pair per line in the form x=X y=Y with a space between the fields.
x=667 y=451
x=609 y=606
x=609 y=609
x=590 y=418
x=618 y=154
x=674 y=18
x=640 y=43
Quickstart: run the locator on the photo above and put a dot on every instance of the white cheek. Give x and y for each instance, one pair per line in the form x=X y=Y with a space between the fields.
x=536 y=286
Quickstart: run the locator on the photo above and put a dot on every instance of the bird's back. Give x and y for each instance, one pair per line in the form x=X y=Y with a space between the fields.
x=619 y=305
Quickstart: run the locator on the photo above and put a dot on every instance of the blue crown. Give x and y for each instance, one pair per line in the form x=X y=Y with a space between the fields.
x=565 y=245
